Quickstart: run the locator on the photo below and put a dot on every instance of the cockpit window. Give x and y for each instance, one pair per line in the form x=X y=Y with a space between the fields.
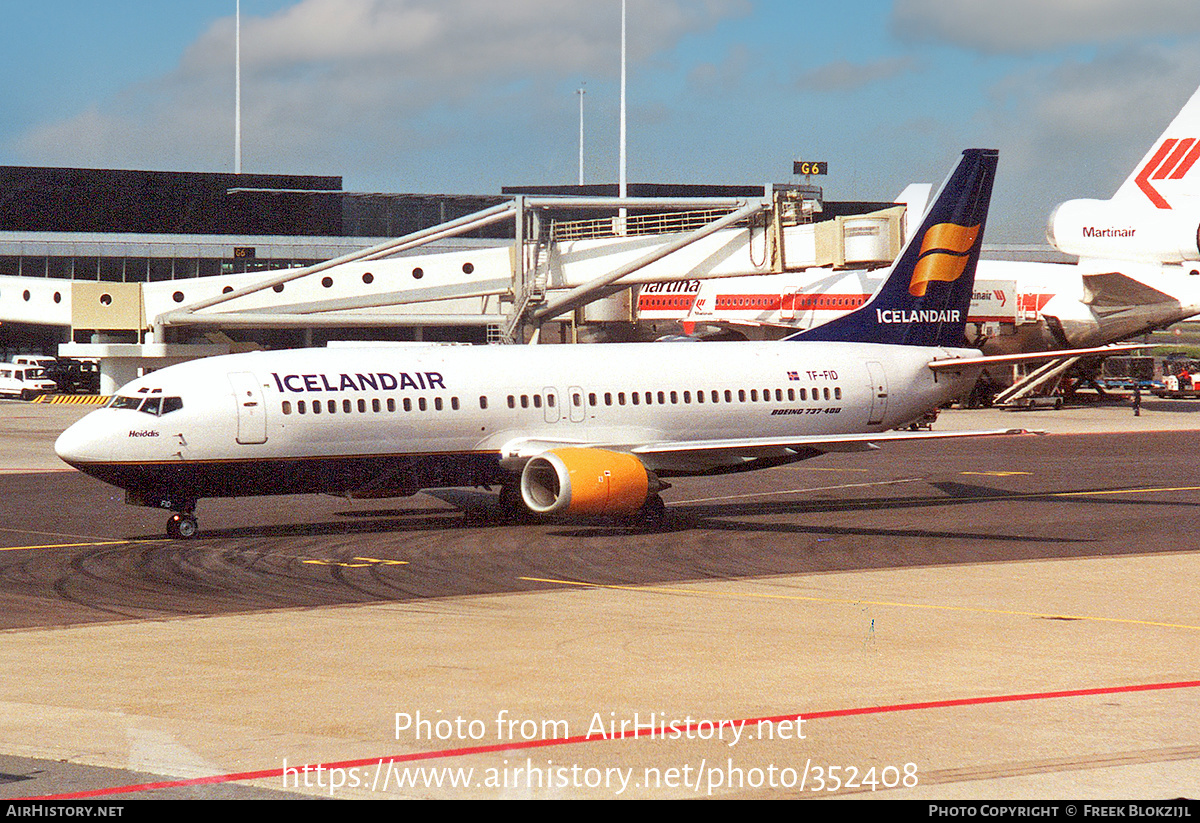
x=155 y=406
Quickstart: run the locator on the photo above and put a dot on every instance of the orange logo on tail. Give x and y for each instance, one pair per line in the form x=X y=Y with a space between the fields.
x=944 y=252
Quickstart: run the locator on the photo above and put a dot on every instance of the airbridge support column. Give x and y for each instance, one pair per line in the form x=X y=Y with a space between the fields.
x=121 y=362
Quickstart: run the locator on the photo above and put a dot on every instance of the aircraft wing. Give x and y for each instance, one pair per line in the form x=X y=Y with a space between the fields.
x=823 y=442
x=691 y=456
x=957 y=363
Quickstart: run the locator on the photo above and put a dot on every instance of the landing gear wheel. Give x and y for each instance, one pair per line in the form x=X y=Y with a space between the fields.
x=512 y=506
x=182 y=527
x=653 y=514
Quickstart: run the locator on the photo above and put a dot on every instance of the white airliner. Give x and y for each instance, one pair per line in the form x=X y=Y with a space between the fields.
x=1138 y=271
x=583 y=429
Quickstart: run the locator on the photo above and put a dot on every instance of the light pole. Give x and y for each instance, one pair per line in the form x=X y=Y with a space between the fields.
x=581 y=92
x=622 y=189
x=237 y=94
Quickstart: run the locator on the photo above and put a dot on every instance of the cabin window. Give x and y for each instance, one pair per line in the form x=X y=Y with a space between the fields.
x=635 y=397
x=754 y=395
x=608 y=398
x=332 y=406
x=687 y=397
x=674 y=397
x=741 y=395
x=346 y=407
x=300 y=407
x=791 y=394
x=482 y=402
x=391 y=404
x=524 y=401
x=728 y=396
x=287 y=406
x=362 y=405
x=577 y=399
x=826 y=394
x=316 y=407
x=620 y=398
x=454 y=403
x=699 y=397
x=437 y=404
x=662 y=398
x=408 y=404
x=837 y=392
x=421 y=404
x=537 y=401
x=375 y=405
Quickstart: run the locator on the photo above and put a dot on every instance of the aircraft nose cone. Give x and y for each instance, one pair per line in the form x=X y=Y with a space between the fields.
x=80 y=444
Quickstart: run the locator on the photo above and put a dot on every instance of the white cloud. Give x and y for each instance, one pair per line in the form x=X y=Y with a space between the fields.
x=1020 y=26
x=1079 y=128
x=327 y=82
x=842 y=75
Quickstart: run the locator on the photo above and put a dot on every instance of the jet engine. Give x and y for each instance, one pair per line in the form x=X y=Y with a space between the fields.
x=587 y=482
x=1101 y=229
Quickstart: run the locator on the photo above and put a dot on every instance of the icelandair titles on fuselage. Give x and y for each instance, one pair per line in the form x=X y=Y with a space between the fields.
x=918 y=316
x=378 y=381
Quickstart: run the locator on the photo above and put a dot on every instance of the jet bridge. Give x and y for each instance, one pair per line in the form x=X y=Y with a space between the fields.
x=573 y=262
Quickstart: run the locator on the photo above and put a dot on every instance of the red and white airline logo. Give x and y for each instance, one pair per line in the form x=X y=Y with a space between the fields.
x=1172 y=161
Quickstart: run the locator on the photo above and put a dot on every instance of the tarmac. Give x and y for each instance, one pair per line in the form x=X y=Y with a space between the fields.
x=1009 y=618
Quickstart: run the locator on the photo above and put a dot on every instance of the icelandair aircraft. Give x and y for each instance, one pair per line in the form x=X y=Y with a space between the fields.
x=578 y=430
x=1139 y=270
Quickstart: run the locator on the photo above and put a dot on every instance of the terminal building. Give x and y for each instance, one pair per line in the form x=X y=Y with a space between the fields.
x=141 y=268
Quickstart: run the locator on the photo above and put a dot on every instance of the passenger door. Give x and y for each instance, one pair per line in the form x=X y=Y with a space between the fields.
x=251 y=412
x=879 y=391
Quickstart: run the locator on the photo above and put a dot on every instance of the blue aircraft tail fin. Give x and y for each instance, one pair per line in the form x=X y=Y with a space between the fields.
x=925 y=299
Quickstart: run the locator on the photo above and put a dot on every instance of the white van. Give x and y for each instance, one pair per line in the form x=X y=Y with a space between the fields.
x=41 y=360
x=24 y=381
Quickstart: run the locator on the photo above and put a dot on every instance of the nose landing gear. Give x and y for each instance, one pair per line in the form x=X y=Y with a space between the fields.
x=182 y=526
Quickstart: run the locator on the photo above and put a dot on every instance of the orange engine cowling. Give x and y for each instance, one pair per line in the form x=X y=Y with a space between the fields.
x=586 y=482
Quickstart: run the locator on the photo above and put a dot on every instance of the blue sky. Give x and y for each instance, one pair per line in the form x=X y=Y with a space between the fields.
x=470 y=95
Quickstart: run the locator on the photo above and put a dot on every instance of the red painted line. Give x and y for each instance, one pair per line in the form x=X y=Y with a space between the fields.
x=587 y=738
x=1143 y=178
x=1187 y=163
x=1173 y=160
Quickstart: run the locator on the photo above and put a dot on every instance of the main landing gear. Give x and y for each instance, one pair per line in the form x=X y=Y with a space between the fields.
x=182 y=526
x=652 y=516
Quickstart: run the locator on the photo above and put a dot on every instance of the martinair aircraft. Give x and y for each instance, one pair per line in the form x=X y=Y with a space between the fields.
x=561 y=429
x=1138 y=269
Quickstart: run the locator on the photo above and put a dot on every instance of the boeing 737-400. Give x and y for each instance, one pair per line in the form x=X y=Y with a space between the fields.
x=561 y=429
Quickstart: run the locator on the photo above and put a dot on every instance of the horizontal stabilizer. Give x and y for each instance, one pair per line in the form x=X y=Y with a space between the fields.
x=1116 y=290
